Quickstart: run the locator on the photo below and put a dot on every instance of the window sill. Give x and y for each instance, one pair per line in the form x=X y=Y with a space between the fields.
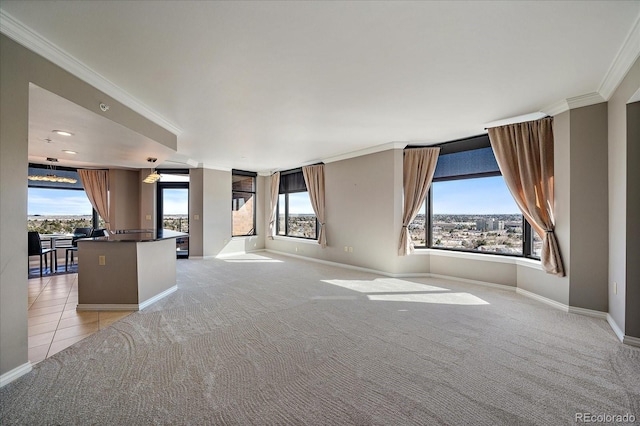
x=295 y=239
x=485 y=257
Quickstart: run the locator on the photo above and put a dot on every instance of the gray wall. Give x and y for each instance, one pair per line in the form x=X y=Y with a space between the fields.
x=14 y=128
x=19 y=67
x=147 y=201
x=632 y=314
x=589 y=212
x=124 y=199
x=623 y=179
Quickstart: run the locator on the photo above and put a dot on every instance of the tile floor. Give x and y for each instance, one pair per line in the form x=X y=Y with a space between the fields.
x=54 y=324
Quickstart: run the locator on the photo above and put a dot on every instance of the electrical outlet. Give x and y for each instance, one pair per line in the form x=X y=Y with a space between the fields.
x=350 y=249
x=148 y=217
x=102 y=260
x=346 y=248
x=196 y=217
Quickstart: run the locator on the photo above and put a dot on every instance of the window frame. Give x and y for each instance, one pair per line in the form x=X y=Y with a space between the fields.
x=286 y=208
x=461 y=145
x=253 y=175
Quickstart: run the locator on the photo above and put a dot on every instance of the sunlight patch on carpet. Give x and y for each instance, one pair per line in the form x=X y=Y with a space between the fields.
x=384 y=285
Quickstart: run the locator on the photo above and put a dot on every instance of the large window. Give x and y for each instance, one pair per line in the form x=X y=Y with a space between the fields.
x=469 y=207
x=243 y=198
x=57 y=207
x=296 y=217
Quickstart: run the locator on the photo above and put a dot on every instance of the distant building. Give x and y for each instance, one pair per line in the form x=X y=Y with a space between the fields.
x=487 y=225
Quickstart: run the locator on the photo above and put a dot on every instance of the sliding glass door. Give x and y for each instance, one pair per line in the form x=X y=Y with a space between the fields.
x=173 y=209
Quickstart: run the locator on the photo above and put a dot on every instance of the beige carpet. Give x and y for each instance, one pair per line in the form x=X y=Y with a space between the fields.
x=266 y=339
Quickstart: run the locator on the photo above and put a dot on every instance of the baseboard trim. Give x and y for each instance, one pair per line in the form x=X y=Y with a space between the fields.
x=107 y=307
x=543 y=299
x=565 y=308
x=632 y=341
x=16 y=373
x=125 y=306
x=588 y=312
x=616 y=329
x=157 y=297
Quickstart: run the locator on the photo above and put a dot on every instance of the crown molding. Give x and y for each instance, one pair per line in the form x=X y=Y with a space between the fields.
x=33 y=41
x=624 y=60
x=556 y=108
x=366 y=151
x=585 y=100
x=573 y=103
x=518 y=119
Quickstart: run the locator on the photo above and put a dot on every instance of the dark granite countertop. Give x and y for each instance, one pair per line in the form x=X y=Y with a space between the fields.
x=139 y=236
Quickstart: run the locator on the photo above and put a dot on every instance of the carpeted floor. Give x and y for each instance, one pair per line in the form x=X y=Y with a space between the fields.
x=267 y=339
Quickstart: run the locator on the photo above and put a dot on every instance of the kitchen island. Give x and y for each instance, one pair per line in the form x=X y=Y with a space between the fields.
x=127 y=270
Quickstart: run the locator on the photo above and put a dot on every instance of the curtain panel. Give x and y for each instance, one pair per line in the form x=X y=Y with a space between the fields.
x=314 y=179
x=275 y=185
x=417 y=170
x=96 y=186
x=524 y=152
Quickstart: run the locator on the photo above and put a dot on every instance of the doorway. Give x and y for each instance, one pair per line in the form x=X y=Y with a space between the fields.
x=173 y=207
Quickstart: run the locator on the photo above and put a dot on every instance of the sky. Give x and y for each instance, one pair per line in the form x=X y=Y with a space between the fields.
x=57 y=202
x=471 y=196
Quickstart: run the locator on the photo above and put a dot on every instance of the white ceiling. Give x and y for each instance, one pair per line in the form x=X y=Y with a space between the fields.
x=91 y=134
x=273 y=85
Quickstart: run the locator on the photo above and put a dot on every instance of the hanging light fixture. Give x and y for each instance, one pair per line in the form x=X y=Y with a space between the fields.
x=52 y=177
x=154 y=176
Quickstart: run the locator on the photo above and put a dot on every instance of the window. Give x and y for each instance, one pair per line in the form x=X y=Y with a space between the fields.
x=57 y=207
x=243 y=197
x=296 y=217
x=469 y=207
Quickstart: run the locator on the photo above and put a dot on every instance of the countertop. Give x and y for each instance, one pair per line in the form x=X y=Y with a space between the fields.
x=139 y=236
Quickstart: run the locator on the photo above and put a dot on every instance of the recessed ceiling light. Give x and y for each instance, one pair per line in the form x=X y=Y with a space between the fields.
x=62 y=132
x=69 y=151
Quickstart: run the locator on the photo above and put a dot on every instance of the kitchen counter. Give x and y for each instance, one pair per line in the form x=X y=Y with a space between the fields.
x=127 y=270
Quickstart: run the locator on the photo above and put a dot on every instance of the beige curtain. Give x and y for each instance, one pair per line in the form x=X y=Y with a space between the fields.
x=418 y=168
x=275 y=187
x=524 y=152
x=314 y=179
x=96 y=186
